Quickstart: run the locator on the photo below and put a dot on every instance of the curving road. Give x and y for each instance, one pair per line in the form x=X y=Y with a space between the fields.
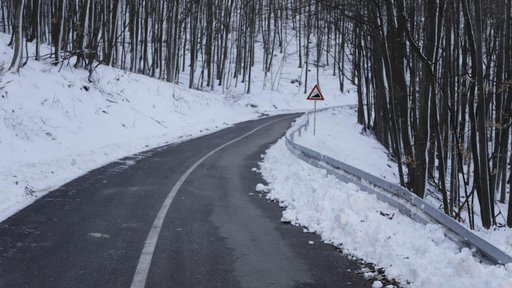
x=182 y=215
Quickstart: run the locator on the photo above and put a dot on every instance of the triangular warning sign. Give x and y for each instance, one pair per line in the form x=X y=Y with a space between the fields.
x=315 y=94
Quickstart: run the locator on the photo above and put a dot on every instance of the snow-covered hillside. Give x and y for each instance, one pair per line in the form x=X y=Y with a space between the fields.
x=340 y=137
x=416 y=255
x=56 y=125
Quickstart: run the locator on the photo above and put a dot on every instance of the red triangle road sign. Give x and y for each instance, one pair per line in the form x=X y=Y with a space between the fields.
x=315 y=94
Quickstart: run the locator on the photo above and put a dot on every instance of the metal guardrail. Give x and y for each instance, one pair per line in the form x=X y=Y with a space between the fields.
x=406 y=202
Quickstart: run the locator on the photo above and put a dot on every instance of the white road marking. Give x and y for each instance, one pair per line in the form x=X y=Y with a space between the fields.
x=99 y=235
x=141 y=273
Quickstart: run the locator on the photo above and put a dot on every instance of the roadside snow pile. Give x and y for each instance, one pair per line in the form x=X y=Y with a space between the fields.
x=56 y=126
x=345 y=216
x=340 y=137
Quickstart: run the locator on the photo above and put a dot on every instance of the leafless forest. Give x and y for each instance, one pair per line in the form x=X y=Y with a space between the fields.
x=433 y=77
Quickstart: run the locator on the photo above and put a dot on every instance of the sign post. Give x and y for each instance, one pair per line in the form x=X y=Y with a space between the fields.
x=314 y=121
x=315 y=95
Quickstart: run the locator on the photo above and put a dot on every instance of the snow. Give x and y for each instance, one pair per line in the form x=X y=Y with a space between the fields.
x=340 y=137
x=285 y=219
x=261 y=188
x=55 y=125
x=345 y=216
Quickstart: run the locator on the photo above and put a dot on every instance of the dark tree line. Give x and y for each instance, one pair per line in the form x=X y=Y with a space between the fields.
x=156 y=38
x=433 y=77
x=437 y=77
x=209 y=42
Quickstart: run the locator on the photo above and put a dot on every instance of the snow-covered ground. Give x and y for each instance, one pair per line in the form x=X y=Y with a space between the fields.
x=345 y=216
x=56 y=126
x=339 y=136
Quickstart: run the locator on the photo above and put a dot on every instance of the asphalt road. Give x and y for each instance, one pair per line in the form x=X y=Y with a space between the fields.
x=217 y=231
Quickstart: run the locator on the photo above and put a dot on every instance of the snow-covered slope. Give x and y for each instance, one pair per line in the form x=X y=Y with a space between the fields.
x=56 y=125
x=368 y=228
x=340 y=137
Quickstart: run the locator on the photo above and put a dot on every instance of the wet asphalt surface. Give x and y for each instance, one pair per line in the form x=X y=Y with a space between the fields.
x=218 y=231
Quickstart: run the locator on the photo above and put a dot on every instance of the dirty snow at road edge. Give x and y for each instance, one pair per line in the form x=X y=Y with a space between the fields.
x=341 y=214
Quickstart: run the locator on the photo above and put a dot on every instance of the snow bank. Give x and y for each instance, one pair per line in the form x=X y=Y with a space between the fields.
x=56 y=126
x=345 y=216
x=340 y=137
